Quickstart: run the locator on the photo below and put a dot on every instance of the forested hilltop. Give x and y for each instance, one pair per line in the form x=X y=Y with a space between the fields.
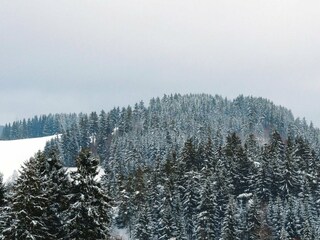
x=189 y=167
x=175 y=117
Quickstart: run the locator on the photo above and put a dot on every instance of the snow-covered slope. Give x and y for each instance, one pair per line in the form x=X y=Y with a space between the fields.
x=14 y=153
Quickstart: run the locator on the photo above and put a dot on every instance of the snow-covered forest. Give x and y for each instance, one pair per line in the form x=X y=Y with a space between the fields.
x=182 y=167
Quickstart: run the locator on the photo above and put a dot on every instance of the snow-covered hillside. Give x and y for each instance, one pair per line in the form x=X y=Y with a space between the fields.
x=14 y=153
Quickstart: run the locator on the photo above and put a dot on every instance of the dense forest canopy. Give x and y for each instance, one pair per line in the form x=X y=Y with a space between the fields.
x=186 y=167
x=176 y=117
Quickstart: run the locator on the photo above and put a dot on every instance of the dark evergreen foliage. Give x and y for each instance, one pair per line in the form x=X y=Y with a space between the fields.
x=88 y=216
x=184 y=167
x=28 y=204
x=44 y=204
x=2 y=191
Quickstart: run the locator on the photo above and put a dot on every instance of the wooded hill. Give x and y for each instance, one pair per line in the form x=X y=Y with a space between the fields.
x=202 y=167
x=172 y=118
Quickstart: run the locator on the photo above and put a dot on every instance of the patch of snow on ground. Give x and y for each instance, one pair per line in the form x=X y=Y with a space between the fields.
x=120 y=234
x=14 y=153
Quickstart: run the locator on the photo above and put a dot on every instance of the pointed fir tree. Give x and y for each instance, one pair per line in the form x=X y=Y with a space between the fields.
x=253 y=219
x=241 y=167
x=290 y=219
x=166 y=222
x=2 y=205
x=276 y=158
x=29 y=204
x=205 y=219
x=229 y=228
x=166 y=225
x=190 y=202
x=2 y=191
x=290 y=182
x=104 y=136
x=142 y=227
x=57 y=188
x=210 y=157
x=84 y=137
x=89 y=211
x=125 y=205
x=188 y=156
x=252 y=148
x=264 y=178
x=69 y=147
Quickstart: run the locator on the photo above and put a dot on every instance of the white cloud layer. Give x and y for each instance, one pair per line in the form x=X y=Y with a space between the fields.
x=77 y=55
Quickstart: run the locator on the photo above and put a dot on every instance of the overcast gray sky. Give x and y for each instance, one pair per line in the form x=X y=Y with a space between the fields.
x=77 y=55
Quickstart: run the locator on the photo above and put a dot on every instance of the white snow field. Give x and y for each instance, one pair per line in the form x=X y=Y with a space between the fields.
x=14 y=153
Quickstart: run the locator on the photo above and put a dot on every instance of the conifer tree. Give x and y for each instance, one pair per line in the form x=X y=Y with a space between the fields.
x=93 y=125
x=125 y=205
x=205 y=219
x=70 y=147
x=84 y=137
x=290 y=220
x=229 y=229
x=252 y=148
x=241 y=167
x=253 y=219
x=89 y=212
x=2 y=205
x=29 y=204
x=2 y=191
x=142 y=227
x=289 y=185
x=190 y=202
x=188 y=156
x=210 y=156
x=263 y=181
x=278 y=215
x=166 y=226
x=276 y=158
x=103 y=136
x=166 y=222
x=57 y=188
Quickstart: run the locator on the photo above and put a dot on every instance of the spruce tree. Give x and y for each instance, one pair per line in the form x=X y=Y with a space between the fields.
x=142 y=227
x=290 y=182
x=190 y=202
x=89 y=211
x=253 y=219
x=2 y=191
x=229 y=227
x=167 y=227
x=29 y=204
x=276 y=158
x=205 y=219
x=188 y=156
x=290 y=220
x=57 y=188
x=241 y=167
x=2 y=205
